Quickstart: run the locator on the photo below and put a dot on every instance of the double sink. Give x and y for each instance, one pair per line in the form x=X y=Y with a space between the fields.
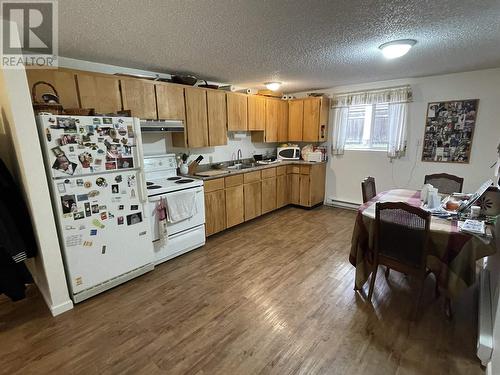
x=240 y=166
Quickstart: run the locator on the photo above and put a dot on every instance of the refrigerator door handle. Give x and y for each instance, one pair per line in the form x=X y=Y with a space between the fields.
x=143 y=197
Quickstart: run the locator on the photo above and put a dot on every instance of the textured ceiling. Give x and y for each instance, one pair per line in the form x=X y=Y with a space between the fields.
x=304 y=43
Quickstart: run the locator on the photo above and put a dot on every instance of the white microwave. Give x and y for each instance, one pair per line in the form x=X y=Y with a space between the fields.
x=288 y=153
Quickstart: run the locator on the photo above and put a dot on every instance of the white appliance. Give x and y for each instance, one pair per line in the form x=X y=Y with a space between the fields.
x=288 y=153
x=95 y=171
x=162 y=182
x=316 y=156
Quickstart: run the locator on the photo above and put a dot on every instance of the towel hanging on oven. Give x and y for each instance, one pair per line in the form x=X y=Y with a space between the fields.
x=181 y=205
x=161 y=214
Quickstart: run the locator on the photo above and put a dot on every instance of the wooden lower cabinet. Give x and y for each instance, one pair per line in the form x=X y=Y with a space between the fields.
x=215 y=211
x=237 y=198
x=268 y=195
x=282 y=191
x=253 y=200
x=235 y=206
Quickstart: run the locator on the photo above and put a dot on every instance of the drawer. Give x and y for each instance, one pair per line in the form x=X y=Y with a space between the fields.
x=212 y=185
x=281 y=170
x=251 y=177
x=293 y=169
x=305 y=169
x=234 y=180
x=268 y=173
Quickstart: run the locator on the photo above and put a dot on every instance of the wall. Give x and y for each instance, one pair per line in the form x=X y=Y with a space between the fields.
x=155 y=143
x=346 y=172
x=19 y=140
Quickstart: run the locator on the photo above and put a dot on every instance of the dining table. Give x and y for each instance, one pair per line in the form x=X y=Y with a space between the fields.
x=452 y=254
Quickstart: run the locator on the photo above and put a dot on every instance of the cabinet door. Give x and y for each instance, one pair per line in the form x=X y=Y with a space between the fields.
x=305 y=193
x=318 y=174
x=253 y=200
x=139 y=97
x=272 y=119
x=170 y=102
x=237 y=111
x=196 y=117
x=62 y=80
x=294 y=188
x=295 y=119
x=281 y=191
x=283 y=121
x=217 y=120
x=235 y=206
x=215 y=212
x=256 y=112
x=99 y=92
x=268 y=195
x=311 y=120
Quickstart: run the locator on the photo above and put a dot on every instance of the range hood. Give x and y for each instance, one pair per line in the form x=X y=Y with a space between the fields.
x=162 y=125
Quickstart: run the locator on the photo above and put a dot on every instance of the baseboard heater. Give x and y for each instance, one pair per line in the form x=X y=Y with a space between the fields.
x=341 y=204
x=485 y=324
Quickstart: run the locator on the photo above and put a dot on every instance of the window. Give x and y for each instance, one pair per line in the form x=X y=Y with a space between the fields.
x=367 y=127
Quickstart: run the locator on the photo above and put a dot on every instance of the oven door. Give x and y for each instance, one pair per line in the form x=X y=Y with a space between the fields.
x=197 y=219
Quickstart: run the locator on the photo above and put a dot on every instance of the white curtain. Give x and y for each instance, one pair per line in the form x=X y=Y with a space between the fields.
x=397 y=99
x=339 y=129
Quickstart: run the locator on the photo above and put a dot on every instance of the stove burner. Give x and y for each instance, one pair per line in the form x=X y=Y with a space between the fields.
x=150 y=187
x=173 y=178
x=149 y=183
x=184 y=181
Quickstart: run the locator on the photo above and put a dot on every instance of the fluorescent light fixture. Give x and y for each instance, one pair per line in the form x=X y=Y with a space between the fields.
x=273 y=86
x=396 y=48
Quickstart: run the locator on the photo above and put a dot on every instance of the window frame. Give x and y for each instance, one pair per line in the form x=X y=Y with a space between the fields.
x=369 y=146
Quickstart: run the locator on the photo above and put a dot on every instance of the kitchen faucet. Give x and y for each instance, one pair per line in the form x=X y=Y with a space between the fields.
x=239 y=155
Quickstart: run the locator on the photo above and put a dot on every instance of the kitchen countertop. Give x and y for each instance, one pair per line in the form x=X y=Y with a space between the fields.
x=233 y=172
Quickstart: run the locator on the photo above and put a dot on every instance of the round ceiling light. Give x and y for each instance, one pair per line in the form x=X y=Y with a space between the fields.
x=273 y=86
x=396 y=48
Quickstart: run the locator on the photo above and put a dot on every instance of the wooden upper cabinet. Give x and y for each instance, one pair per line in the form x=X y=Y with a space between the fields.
x=139 y=97
x=217 y=118
x=256 y=112
x=101 y=92
x=196 y=117
x=283 y=121
x=170 y=102
x=295 y=119
x=63 y=80
x=310 y=131
x=272 y=119
x=237 y=111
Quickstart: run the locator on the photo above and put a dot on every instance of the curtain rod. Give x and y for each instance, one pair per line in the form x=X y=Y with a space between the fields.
x=373 y=90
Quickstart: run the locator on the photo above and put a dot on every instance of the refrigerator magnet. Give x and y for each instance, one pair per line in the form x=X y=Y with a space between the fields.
x=121 y=207
x=116 y=199
x=134 y=218
x=134 y=207
x=68 y=204
x=87 y=243
x=98 y=224
x=118 y=179
x=103 y=249
x=110 y=165
x=82 y=197
x=78 y=281
x=120 y=220
x=95 y=208
x=73 y=240
x=110 y=215
x=104 y=215
x=96 y=121
x=78 y=215
x=48 y=135
x=93 y=193
x=132 y=193
x=93 y=232
x=102 y=207
x=61 y=188
x=107 y=120
x=79 y=182
x=131 y=181
x=101 y=182
x=88 y=212
x=98 y=161
x=115 y=189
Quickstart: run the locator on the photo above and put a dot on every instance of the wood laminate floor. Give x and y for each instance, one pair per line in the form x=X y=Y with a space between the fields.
x=272 y=296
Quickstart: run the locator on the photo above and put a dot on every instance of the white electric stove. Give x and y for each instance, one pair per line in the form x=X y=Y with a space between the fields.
x=162 y=181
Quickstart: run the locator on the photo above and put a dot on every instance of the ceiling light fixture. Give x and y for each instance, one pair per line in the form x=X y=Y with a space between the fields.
x=396 y=48
x=273 y=86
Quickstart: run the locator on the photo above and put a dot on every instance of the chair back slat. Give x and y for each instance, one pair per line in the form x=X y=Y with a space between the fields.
x=402 y=233
x=368 y=189
x=445 y=183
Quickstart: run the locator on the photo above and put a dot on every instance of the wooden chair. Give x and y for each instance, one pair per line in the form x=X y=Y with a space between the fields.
x=445 y=183
x=368 y=189
x=401 y=237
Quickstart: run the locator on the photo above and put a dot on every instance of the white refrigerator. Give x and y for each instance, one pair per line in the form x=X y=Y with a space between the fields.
x=95 y=168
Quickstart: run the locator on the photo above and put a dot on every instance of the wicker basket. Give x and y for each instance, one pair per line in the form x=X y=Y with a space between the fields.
x=54 y=108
